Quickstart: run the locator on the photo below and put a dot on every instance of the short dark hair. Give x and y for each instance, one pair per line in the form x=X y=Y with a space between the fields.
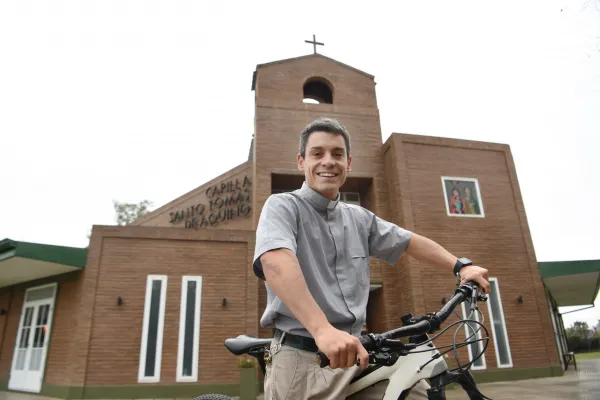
x=323 y=125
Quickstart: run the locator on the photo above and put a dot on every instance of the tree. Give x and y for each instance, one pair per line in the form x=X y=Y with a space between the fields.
x=581 y=329
x=581 y=338
x=126 y=213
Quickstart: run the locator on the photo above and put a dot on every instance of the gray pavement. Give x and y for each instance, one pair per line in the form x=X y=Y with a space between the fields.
x=581 y=385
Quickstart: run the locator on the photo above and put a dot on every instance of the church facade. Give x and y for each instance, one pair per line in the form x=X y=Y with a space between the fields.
x=144 y=311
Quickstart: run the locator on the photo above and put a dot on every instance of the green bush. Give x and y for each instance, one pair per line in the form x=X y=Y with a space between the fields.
x=579 y=344
x=247 y=362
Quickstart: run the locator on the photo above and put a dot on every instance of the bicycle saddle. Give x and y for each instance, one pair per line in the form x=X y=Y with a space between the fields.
x=243 y=344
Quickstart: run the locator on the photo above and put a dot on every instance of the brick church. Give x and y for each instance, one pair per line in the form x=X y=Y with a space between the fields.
x=144 y=310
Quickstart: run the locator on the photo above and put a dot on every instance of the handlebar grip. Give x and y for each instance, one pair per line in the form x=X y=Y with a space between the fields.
x=322 y=359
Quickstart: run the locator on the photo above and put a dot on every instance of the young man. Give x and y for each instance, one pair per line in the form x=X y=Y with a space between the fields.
x=313 y=252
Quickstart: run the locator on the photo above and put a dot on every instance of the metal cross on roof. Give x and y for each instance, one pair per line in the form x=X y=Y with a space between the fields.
x=315 y=43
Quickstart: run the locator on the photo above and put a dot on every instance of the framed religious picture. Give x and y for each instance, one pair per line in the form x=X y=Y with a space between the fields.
x=462 y=197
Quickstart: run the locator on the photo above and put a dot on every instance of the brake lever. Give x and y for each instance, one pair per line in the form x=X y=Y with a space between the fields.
x=386 y=359
x=474 y=296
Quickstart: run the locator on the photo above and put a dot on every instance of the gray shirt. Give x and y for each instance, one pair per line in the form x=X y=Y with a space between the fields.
x=332 y=241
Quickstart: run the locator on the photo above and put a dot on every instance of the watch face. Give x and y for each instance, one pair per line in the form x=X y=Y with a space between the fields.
x=464 y=261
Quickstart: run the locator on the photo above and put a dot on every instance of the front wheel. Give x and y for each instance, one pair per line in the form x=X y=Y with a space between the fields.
x=212 y=396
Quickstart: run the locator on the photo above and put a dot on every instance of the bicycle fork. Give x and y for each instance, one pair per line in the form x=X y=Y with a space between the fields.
x=439 y=382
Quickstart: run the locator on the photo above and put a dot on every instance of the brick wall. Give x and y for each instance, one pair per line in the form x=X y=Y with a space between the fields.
x=126 y=257
x=9 y=323
x=63 y=332
x=4 y=305
x=280 y=84
x=500 y=242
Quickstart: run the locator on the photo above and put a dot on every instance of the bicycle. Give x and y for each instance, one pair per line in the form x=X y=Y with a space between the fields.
x=398 y=364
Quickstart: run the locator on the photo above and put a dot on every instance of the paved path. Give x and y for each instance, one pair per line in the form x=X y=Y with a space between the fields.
x=581 y=385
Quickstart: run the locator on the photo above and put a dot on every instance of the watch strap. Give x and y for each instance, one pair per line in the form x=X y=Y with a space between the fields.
x=460 y=263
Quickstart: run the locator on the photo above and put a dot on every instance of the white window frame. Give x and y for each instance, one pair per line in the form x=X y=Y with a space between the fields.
x=468 y=333
x=159 y=334
x=492 y=318
x=182 y=315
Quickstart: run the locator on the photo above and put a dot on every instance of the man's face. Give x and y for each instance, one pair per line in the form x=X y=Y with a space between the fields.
x=326 y=163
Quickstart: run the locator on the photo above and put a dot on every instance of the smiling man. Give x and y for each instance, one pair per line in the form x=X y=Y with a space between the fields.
x=313 y=252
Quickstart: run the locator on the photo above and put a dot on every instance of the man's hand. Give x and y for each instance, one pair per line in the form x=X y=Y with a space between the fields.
x=476 y=274
x=341 y=348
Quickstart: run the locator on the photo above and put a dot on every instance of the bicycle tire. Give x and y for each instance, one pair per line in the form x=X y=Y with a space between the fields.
x=213 y=396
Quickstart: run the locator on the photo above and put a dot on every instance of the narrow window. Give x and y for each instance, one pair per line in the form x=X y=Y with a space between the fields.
x=189 y=329
x=503 y=357
x=152 y=329
x=473 y=332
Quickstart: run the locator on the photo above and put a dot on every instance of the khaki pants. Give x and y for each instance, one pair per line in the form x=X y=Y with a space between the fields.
x=295 y=375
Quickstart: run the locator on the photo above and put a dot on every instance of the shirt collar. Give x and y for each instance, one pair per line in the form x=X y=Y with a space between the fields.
x=317 y=199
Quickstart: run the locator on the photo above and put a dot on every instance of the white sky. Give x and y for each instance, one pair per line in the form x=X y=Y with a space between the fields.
x=133 y=100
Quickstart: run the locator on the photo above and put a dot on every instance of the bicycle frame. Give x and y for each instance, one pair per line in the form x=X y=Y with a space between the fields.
x=404 y=374
x=421 y=363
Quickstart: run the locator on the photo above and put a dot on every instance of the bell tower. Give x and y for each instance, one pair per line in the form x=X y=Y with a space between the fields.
x=291 y=93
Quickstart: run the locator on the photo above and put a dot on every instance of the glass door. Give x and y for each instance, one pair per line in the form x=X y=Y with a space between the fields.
x=32 y=340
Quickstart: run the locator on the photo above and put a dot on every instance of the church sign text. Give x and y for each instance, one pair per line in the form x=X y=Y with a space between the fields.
x=225 y=201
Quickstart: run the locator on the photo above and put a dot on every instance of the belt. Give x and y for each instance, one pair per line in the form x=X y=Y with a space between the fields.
x=299 y=342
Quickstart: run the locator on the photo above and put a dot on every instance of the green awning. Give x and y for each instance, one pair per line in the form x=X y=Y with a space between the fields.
x=572 y=283
x=23 y=261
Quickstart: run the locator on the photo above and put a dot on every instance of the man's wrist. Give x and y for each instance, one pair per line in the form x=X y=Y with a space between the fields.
x=319 y=328
x=461 y=263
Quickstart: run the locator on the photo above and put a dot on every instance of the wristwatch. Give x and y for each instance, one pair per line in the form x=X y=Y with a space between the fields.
x=461 y=262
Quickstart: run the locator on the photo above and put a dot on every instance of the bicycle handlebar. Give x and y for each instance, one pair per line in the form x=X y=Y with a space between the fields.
x=425 y=324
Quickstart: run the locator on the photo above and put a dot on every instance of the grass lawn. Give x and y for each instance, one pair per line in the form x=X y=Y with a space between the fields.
x=587 y=356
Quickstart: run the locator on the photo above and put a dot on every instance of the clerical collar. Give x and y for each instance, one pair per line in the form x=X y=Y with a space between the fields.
x=318 y=199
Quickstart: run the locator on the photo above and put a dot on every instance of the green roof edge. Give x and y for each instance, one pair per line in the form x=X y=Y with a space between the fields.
x=73 y=256
x=554 y=269
x=551 y=269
